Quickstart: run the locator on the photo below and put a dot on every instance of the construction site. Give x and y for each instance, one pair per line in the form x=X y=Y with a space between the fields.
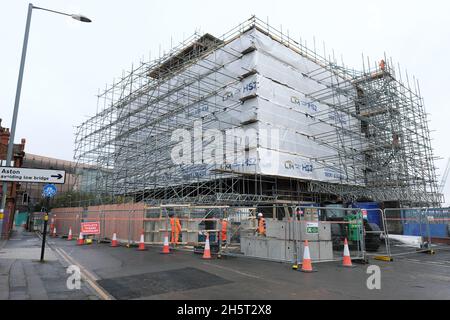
x=297 y=127
x=254 y=124
x=253 y=145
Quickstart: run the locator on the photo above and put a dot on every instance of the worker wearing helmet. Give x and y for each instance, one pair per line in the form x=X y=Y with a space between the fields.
x=261 y=225
x=175 y=227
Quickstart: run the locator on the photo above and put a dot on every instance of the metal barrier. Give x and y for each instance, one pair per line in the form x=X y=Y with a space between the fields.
x=287 y=228
x=438 y=220
x=129 y=222
x=408 y=231
x=375 y=233
x=37 y=221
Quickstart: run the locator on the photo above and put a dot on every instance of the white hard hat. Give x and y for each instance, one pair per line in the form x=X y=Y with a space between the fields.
x=260 y=214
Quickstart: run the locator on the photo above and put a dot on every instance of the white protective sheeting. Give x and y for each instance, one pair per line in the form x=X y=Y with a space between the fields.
x=271 y=100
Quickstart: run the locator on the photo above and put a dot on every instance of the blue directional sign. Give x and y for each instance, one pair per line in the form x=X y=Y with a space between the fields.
x=49 y=190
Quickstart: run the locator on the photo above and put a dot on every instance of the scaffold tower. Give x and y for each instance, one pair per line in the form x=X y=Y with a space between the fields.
x=341 y=133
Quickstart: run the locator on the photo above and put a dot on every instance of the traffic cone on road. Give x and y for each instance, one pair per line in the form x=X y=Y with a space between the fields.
x=80 y=240
x=347 y=261
x=207 y=251
x=141 y=243
x=306 y=263
x=54 y=232
x=114 y=241
x=69 y=237
x=166 y=248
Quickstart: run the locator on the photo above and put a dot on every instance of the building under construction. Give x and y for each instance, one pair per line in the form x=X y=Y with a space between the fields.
x=256 y=117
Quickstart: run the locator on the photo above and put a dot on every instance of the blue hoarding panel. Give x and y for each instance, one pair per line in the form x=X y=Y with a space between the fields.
x=416 y=229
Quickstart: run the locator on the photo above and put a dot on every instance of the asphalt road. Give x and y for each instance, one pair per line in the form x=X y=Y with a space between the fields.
x=125 y=273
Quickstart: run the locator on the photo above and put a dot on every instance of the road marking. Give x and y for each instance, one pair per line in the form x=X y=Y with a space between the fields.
x=232 y=270
x=86 y=275
x=436 y=262
x=414 y=260
x=428 y=263
x=439 y=278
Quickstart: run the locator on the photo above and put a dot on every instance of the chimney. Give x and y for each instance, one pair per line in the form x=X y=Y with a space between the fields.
x=4 y=136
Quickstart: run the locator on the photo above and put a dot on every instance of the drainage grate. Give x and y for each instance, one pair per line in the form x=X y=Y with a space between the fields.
x=148 y=284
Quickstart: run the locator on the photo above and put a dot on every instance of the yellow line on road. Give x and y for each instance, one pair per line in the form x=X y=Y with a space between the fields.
x=85 y=274
x=88 y=277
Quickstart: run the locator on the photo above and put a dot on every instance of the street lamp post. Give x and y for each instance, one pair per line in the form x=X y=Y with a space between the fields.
x=9 y=154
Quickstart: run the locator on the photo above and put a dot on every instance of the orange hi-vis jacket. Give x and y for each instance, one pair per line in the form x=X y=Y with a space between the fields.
x=175 y=225
x=262 y=226
x=224 y=230
x=175 y=228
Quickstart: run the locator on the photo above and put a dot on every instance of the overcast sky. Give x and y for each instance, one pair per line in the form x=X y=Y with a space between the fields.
x=69 y=61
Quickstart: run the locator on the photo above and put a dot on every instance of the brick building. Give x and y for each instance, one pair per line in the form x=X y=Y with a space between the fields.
x=13 y=191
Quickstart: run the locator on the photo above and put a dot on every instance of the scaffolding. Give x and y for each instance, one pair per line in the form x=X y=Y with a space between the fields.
x=371 y=129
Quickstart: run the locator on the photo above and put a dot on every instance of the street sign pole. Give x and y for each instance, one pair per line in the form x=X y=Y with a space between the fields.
x=48 y=192
x=44 y=233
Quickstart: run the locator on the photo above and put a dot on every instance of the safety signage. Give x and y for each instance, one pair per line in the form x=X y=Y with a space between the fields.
x=90 y=228
x=312 y=227
x=49 y=191
x=12 y=174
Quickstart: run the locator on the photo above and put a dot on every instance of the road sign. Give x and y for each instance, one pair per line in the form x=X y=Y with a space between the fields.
x=90 y=228
x=12 y=174
x=49 y=191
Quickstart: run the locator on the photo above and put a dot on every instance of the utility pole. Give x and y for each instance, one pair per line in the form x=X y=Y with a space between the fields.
x=9 y=155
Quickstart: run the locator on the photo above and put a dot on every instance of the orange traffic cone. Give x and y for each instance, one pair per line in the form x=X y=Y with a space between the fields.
x=347 y=262
x=80 y=240
x=207 y=251
x=166 y=248
x=114 y=241
x=141 y=243
x=69 y=237
x=54 y=232
x=306 y=263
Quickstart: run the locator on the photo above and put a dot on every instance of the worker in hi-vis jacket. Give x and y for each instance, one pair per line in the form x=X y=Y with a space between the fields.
x=175 y=227
x=261 y=225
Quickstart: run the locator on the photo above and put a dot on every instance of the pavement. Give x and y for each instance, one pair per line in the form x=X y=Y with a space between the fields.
x=24 y=277
x=125 y=273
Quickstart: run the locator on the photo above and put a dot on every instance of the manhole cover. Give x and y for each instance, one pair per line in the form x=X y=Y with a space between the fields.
x=148 y=284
